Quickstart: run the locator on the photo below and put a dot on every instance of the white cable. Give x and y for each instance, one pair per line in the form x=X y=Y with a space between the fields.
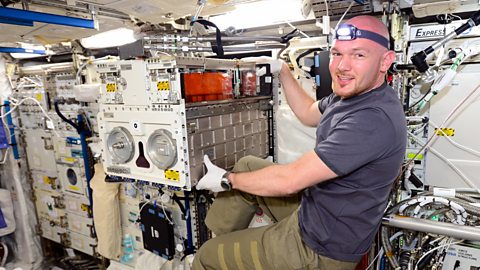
x=345 y=13
x=432 y=138
x=166 y=216
x=420 y=129
x=437 y=239
x=294 y=28
x=13 y=100
x=7 y=129
x=433 y=249
x=458 y=171
x=104 y=58
x=197 y=14
x=379 y=262
x=77 y=76
x=458 y=209
x=453 y=142
x=163 y=53
x=141 y=208
x=326 y=6
x=456 y=16
x=154 y=203
x=10 y=81
x=381 y=252
x=5 y=157
x=39 y=105
x=32 y=81
x=459 y=105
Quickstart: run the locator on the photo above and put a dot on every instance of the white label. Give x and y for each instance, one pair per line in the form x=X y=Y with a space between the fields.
x=70 y=252
x=435 y=31
x=50 y=124
x=444 y=192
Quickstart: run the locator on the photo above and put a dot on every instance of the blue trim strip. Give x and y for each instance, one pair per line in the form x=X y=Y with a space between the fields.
x=32 y=16
x=188 y=221
x=17 y=22
x=20 y=50
x=13 y=140
x=88 y=172
x=316 y=59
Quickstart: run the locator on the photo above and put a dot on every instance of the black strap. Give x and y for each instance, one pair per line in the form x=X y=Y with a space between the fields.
x=218 y=49
x=286 y=38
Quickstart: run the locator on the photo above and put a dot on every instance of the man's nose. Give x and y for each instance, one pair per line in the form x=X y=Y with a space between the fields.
x=344 y=63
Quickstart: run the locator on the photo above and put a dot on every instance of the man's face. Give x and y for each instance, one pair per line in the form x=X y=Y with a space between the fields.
x=355 y=66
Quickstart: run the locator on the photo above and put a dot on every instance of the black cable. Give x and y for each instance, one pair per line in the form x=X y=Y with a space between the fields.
x=180 y=204
x=305 y=53
x=286 y=38
x=68 y=121
x=418 y=101
x=282 y=50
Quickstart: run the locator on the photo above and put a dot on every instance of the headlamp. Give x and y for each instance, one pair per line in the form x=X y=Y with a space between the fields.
x=350 y=32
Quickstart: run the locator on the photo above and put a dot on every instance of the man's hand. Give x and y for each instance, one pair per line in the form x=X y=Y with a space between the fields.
x=213 y=178
x=275 y=64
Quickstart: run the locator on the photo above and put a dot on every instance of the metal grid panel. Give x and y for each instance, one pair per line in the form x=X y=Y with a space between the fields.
x=226 y=133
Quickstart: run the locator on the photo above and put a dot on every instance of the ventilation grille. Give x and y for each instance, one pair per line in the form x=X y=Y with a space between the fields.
x=337 y=8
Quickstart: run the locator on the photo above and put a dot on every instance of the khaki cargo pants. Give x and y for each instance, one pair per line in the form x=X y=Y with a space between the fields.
x=277 y=246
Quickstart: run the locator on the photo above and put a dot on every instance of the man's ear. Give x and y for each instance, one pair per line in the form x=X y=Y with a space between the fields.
x=388 y=58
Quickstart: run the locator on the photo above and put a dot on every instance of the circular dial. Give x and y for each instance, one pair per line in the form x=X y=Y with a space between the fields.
x=120 y=145
x=162 y=149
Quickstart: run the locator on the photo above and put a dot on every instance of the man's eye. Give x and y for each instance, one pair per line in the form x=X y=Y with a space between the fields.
x=359 y=55
x=335 y=54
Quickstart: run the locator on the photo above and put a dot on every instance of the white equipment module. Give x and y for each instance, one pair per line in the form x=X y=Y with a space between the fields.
x=158 y=117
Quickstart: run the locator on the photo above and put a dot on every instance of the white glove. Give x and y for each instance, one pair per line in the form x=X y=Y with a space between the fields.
x=213 y=178
x=275 y=64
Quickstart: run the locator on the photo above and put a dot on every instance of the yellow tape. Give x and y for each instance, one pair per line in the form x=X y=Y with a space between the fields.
x=163 y=85
x=238 y=256
x=254 y=253
x=411 y=155
x=48 y=180
x=172 y=175
x=445 y=132
x=84 y=207
x=69 y=159
x=111 y=87
x=221 y=257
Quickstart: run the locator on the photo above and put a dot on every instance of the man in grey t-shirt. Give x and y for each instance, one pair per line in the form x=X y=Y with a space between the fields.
x=327 y=205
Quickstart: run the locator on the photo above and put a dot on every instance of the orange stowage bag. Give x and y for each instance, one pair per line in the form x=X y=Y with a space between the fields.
x=207 y=86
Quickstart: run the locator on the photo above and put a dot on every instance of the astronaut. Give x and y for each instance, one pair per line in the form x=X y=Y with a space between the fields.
x=327 y=205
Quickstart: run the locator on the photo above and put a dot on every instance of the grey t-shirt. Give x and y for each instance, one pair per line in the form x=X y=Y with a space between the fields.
x=362 y=139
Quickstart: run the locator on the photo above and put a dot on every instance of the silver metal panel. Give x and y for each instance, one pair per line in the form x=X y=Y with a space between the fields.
x=80 y=225
x=82 y=243
x=40 y=151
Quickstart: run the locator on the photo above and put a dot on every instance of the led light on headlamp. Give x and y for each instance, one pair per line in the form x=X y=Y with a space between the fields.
x=350 y=32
